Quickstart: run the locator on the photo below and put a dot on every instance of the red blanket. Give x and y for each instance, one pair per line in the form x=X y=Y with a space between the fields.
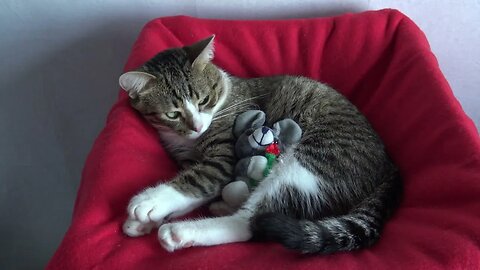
x=382 y=62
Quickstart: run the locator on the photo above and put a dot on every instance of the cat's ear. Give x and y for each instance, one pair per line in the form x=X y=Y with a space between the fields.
x=134 y=82
x=200 y=53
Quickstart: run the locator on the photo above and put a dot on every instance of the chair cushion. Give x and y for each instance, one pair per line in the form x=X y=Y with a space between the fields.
x=381 y=61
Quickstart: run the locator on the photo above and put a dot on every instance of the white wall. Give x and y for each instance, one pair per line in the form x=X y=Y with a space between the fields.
x=58 y=77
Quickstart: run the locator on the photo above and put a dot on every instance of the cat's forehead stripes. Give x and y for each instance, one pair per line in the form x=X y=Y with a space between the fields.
x=197 y=96
x=172 y=70
x=175 y=103
x=174 y=75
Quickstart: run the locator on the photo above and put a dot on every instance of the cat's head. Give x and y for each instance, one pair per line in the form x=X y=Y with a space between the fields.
x=179 y=89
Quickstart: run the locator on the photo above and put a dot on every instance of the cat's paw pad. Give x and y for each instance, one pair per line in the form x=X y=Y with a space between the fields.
x=135 y=228
x=172 y=236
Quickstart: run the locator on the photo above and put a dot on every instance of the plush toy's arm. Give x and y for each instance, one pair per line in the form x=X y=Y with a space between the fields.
x=251 y=167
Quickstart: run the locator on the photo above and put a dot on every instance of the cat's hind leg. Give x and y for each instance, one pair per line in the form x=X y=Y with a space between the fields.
x=205 y=232
x=268 y=196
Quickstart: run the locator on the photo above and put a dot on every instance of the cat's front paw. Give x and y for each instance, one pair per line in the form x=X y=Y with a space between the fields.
x=151 y=205
x=135 y=228
x=159 y=203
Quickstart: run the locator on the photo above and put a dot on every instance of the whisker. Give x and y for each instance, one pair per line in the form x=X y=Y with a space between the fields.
x=238 y=108
x=231 y=113
x=243 y=101
x=233 y=106
x=222 y=116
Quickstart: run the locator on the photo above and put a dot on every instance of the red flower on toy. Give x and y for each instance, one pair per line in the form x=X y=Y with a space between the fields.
x=273 y=149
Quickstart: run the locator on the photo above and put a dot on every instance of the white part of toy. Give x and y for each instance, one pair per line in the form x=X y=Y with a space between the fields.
x=261 y=137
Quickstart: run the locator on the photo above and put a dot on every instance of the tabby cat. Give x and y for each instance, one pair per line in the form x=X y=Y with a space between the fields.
x=333 y=191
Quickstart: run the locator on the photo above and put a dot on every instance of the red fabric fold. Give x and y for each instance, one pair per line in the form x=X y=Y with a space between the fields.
x=382 y=62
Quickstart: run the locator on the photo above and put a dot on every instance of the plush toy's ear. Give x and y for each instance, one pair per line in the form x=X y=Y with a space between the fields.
x=134 y=82
x=200 y=53
x=250 y=119
x=288 y=131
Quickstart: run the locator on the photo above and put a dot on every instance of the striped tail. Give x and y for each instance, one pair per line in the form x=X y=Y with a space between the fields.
x=360 y=228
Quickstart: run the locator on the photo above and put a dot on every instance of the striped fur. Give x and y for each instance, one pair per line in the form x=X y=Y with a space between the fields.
x=331 y=192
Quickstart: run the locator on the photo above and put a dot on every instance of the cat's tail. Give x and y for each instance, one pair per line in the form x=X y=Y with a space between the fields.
x=360 y=228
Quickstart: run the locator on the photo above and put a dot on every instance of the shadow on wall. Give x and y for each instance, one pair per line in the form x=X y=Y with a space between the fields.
x=54 y=109
x=51 y=112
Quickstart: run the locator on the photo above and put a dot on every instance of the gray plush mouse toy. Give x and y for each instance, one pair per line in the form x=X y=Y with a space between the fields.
x=257 y=149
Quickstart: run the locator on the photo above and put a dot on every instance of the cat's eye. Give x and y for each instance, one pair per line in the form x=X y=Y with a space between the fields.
x=173 y=115
x=204 y=100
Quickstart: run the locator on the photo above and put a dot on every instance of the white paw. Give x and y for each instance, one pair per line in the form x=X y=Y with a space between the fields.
x=159 y=203
x=147 y=206
x=174 y=236
x=134 y=228
x=204 y=232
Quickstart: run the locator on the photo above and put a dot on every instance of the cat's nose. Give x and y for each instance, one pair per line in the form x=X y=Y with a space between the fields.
x=198 y=127
x=265 y=130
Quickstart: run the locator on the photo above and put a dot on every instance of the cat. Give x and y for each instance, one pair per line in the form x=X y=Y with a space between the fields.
x=333 y=191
